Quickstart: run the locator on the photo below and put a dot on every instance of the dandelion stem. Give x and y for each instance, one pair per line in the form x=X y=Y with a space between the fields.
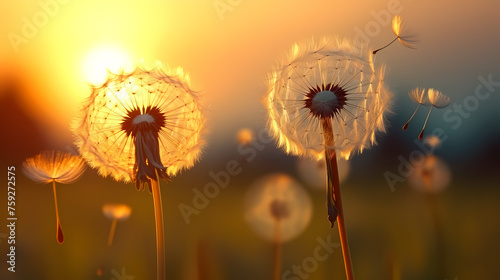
x=334 y=197
x=59 y=232
x=421 y=135
x=160 y=238
x=277 y=252
x=408 y=122
x=375 y=51
x=112 y=231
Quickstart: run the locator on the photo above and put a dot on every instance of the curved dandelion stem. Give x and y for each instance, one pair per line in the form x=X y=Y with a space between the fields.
x=408 y=122
x=160 y=238
x=421 y=135
x=112 y=231
x=277 y=252
x=375 y=51
x=59 y=234
x=334 y=200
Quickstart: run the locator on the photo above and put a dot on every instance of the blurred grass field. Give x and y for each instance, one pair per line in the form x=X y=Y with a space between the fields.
x=391 y=233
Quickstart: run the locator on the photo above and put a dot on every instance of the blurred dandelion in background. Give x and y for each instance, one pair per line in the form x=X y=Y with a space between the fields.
x=115 y=212
x=142 y=126
x=313 y=172
x=403 y=34
x=54 y=166
x=327 y=100
x=431 y=177
x=278 y=209
x=432 y=98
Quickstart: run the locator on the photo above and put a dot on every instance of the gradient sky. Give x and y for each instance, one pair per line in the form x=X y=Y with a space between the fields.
x=229 y=52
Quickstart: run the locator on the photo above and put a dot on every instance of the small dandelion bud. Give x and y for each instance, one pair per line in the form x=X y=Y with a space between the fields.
x=244 y=136
x=115 y=212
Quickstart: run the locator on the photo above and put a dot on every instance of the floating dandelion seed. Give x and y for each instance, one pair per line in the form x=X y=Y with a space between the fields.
x=141 y=126
x=419 y=96
x=431 y=98
x=327 y=100
x=403 y=34
x=115 y=212
x=51 y=166
x=278 y=209
x=245 y=136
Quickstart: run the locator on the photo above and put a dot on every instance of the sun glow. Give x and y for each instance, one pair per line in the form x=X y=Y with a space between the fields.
x=97 y=62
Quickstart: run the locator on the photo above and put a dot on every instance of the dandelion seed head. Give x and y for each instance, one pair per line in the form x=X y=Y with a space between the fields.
x=277 y=202
x=438 y=99
x=49 y=166
x=116 y=211
x=139 y=123
x=419 y=96
x=328 y=79
x=404 y=34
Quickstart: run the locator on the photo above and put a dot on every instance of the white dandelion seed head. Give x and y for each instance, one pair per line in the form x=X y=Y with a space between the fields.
x=326 y=79
x=438 y=99
x=419 y=96
x=55 y=166
x=404 y=34
x=128 y=106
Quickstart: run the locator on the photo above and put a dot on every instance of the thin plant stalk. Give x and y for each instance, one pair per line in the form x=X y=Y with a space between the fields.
x=160 y=238
x=436 y=222
x=421 y=135
x=112 y=231
x=375 y=51
x=408 y=122
x=202 y=260
x=334 y=199
x=277 y=252
x=59 y=234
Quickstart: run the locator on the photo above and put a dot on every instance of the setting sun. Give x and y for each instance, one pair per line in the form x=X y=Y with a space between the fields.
x=98 y=61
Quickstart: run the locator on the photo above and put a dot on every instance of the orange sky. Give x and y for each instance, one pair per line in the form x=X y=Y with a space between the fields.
x=228 y=47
